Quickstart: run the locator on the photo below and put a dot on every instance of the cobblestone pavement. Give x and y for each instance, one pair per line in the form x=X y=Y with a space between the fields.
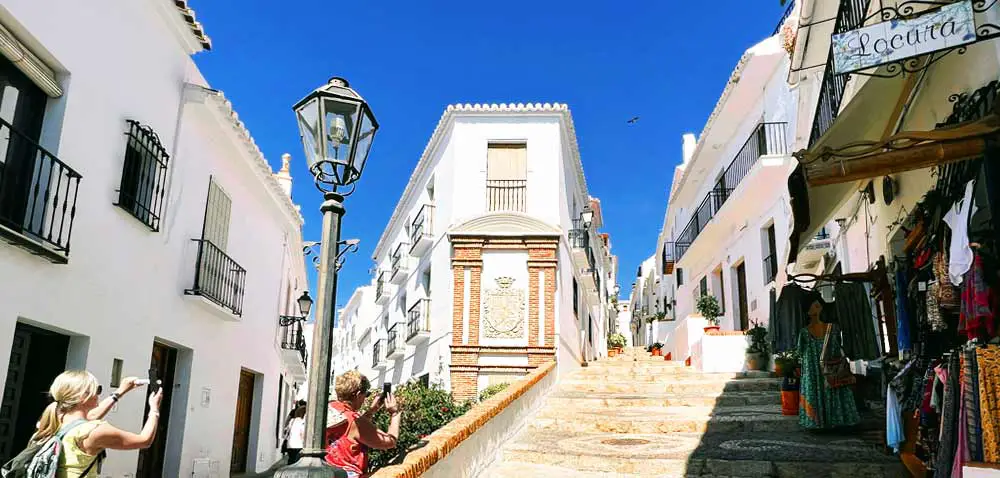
x=637 y=415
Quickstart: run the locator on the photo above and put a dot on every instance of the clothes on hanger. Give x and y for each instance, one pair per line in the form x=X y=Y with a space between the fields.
x=976 y=319
x=902 y=312
x=787 y=318
x=988 y=361
x=960 y=254
x=854 y=314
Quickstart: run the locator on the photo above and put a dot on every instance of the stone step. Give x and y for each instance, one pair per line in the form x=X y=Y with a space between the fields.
x=680 y=385
x=788 y=454
x=749 y=419
x=526 y=470
x=589 y=400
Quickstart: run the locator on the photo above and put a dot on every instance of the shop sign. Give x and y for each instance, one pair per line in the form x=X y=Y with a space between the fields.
x=944 y=28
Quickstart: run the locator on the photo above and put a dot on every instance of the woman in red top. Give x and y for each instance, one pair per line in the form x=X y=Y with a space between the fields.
x=351 y=434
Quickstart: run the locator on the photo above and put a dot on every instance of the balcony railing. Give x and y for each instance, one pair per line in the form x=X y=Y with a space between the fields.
x=38 y=195
x=292 y=338
x=784 y=16
x=392 y=342
x=398 y=261
x=380 y=287
x=770 y=268
x=423 y=223
x=377 y=357
x=418 y=319
x=766 y=139
x=506 y=194
x=823 y=234
x=579 y=238
x=218 y=278
x=850 y=16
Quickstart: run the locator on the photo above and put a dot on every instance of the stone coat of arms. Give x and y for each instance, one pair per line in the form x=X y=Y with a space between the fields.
x=503 y=316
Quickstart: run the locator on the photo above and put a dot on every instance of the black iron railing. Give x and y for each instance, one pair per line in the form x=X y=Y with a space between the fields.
x=422 y=224
x=850 y=16
x=377 y=353
x=397 y=259
x=217 y=277
x=418 y=318
x=766 y=139
x=506 y=194
x=784 y=16
x=392 y=340
x=380 y=285
x=822 y=234
x=770 y=268
x=38 y=194
x=292 y=338
x=144 y=175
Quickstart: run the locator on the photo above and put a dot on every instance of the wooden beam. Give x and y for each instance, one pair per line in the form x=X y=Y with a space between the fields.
x=898 y=161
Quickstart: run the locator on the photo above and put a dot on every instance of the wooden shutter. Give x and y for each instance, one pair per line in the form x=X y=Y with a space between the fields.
x=218 y=210
x=506 y=162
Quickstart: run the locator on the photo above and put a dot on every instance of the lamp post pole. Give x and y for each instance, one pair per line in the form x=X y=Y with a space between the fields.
x=337 y=129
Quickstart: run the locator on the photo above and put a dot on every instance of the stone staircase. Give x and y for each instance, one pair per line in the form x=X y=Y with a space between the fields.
x=640 y=416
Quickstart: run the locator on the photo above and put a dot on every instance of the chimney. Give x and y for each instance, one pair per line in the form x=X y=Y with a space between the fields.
x=690 y=141
x=283 y=177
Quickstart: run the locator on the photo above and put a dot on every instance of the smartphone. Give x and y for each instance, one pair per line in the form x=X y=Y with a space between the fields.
x=386 y=389
x=154 y=383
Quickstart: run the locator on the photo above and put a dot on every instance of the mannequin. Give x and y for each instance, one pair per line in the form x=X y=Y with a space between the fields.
x=821 y=407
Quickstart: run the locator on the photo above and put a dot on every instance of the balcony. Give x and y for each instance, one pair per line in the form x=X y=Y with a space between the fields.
x=851 y=15
x=394 y=343
x=422 y=231
x=38 y=195
x=218 y=278
x=506 y=194
x=418 y=322
x=583 y=256
x=767 y=139
x=400 y=263
x=293 y=349
x=382 y=288
x=378 y=359
x=820 y=244
x=668 y=257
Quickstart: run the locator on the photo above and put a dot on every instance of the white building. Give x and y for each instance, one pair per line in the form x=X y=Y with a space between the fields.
x=486 y=269
x=726 y=227
x=144 y=230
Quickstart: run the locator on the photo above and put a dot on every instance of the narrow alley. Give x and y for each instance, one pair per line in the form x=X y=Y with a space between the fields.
x=638 y=415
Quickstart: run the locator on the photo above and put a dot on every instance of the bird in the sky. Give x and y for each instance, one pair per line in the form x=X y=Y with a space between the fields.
x=634 y=120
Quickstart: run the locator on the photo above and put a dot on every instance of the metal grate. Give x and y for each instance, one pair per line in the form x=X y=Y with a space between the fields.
x=506 y=194
x=293 y=338
x=418 y=318
x=38 y=194
x=218 y=277
x=144 y=175
x=393 y=339
x=422 y=223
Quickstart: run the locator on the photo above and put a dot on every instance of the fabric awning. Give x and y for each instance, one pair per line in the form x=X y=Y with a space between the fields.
x=26 y=61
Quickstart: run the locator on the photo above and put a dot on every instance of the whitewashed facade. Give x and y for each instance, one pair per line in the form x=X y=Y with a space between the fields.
x=477 y=271
x=149 y=232
x=725 y=230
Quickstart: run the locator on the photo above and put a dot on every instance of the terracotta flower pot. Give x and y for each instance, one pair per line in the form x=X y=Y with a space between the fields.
x=711 y=328
x=668 y=356
x=657 y=352
x=789 y=402
x=612 y=352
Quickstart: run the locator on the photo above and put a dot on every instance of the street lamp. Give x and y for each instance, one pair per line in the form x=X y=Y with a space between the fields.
x=337 y=129
x=587 y=217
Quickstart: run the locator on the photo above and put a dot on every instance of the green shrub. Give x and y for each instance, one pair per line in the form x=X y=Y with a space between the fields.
x=425 y=409
x=708 y=307
x=616 y=340
x=492 y=390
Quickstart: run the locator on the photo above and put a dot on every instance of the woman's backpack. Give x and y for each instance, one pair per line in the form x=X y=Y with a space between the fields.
x=41 y=460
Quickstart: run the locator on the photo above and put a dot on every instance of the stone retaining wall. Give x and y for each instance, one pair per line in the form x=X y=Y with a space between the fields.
x=470 y=443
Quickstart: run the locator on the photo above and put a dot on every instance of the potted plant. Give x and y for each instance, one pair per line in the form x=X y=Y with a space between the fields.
x=785 y=363
x=657 y=349
x=615 y=343
x=790 y=395
x=708 y=307
x=661 y=316
x=757 y=356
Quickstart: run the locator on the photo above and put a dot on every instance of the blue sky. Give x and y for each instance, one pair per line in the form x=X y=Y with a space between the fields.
x=663 y=60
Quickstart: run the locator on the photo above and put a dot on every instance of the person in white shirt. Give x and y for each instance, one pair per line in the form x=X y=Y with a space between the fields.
x=296 y=434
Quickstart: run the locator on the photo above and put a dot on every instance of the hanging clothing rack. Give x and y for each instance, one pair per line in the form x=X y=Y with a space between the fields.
x=878 y=277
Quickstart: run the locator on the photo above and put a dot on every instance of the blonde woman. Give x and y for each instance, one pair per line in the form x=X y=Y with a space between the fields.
x=76 y=398
x=352 y=434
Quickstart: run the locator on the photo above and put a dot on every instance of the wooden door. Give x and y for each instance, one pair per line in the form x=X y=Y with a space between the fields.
x=241 y=428
x=163 y=363
x=741 y=286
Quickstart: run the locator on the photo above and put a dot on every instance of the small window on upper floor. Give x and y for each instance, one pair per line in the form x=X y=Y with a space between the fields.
x=144 y=175
x=506 y=177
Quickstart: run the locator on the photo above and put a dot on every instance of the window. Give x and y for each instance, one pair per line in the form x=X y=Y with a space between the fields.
x=425 y=380
x=218 y=277
x=576 y=298
x=703 y=286
x=116 y=372
x=144 y=175
x=770 y=255
x=718 y=288
x=680 y=277
x=218 y=211
x=506 y=177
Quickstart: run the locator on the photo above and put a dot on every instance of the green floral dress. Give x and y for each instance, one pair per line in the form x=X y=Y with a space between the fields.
x=819 y=405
